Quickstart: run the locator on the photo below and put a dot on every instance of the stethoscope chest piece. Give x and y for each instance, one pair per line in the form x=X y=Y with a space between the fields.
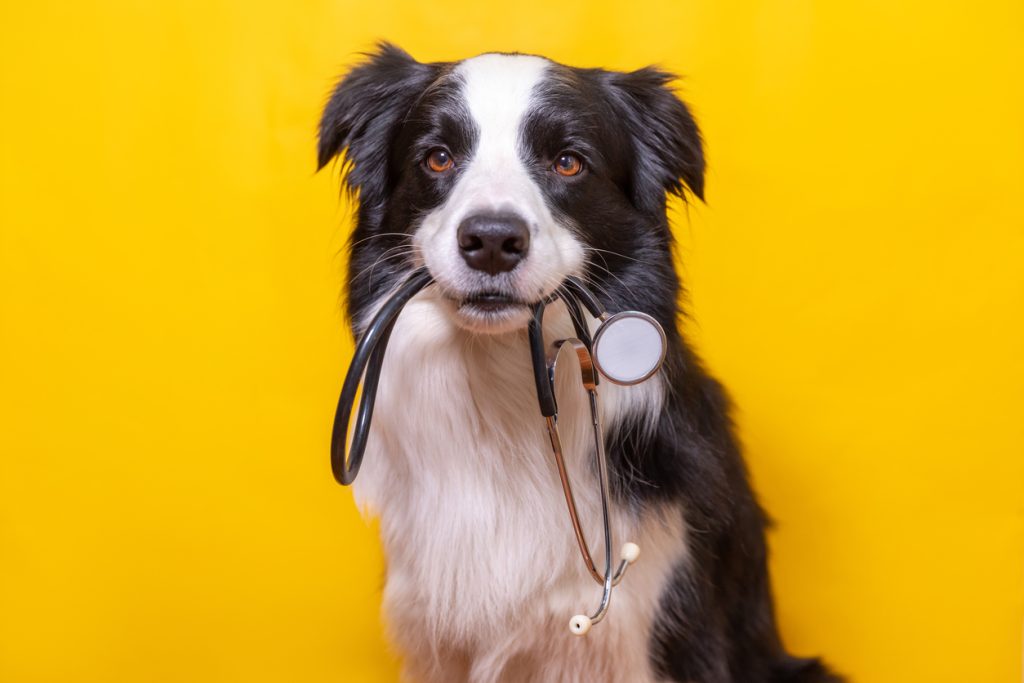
x=629 y=347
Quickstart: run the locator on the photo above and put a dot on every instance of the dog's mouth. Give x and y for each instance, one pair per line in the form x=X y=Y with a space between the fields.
x=491 y=302
x=490 y=311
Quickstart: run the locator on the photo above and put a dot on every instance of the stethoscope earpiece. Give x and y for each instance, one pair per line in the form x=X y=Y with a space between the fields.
x=630 y=553
x=580 y=625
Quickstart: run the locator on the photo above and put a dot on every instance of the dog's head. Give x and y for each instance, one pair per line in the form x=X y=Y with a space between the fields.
x=504 y=173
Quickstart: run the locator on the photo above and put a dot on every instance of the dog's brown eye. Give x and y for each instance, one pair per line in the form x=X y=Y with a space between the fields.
x=568 y=165
x=439 y=160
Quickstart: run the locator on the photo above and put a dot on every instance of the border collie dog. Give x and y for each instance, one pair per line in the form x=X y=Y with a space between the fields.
x=503 y=174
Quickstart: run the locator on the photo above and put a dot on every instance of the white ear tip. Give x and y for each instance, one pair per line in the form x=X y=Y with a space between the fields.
x=580 y=624
x=630 y=551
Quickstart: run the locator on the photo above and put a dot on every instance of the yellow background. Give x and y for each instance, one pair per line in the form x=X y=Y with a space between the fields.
x=171 y=343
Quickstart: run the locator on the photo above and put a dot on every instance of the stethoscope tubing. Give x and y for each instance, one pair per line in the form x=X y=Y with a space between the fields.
x=366 y=368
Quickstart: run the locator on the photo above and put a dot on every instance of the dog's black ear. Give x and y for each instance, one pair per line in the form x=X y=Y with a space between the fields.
x=669 y=154
x=364 y=114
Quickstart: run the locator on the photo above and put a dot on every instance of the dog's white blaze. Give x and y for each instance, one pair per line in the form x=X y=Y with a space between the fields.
x=499 y=91
x=483 y=569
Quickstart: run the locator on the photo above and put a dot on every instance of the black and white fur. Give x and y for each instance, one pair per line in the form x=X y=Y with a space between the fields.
x=483 y=571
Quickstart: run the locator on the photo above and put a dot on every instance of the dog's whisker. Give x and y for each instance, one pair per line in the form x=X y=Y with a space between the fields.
x=376 y=237
x=607 y=270
x=394 y=253
x=612 y=253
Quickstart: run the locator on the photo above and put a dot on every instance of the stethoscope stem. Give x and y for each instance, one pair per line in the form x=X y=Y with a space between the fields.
x=580 y=624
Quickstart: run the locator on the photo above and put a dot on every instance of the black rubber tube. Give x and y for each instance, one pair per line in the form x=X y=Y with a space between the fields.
x=579 y=290
x=366 y=366
x=545 y=392
x=579 y=323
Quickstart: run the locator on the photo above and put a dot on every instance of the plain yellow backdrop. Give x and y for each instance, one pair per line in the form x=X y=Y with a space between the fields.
x=172 y=345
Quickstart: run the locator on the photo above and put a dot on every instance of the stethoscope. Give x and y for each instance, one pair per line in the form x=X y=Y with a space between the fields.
x=627 y=348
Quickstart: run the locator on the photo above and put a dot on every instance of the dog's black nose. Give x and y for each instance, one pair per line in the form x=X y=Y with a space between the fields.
x=493 y=243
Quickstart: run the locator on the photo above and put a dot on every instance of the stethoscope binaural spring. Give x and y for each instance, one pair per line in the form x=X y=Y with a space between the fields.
x=627 y=348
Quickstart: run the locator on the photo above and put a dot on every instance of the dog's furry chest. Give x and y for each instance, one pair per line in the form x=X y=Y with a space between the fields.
x=473 y=519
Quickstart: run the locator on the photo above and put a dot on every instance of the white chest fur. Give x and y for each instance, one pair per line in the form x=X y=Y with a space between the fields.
x=483 y=569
